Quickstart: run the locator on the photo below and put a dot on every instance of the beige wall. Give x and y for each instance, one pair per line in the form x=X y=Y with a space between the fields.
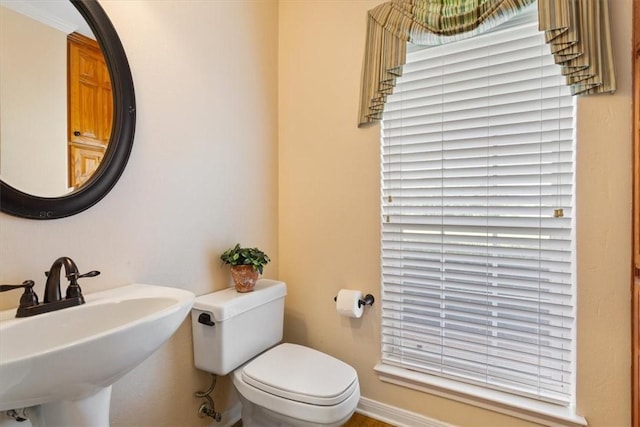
x=329 y=213
x=202 y=175
x=33 y=105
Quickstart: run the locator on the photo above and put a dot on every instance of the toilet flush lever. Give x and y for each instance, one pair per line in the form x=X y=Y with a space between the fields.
x=205 y=319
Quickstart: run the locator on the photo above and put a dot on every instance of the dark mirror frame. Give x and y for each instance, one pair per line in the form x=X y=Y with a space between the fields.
x=17 y=203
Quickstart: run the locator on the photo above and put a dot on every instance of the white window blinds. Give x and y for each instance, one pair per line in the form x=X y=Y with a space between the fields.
x=477 y=271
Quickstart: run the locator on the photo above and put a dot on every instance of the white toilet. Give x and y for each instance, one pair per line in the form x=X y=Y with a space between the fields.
x=285 y=386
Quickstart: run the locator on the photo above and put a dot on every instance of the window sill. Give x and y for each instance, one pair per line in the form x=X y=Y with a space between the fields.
x=515 y=406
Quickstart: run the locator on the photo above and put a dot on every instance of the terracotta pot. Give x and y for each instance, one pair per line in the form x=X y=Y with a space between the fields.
x=244 y=277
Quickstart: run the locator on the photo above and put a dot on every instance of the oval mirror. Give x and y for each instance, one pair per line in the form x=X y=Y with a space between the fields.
x=27 y=202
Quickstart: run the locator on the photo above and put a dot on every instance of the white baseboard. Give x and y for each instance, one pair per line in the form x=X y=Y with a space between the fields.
x=395 y=416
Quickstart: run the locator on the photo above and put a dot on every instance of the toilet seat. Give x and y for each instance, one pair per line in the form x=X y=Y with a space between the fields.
x=301 y=374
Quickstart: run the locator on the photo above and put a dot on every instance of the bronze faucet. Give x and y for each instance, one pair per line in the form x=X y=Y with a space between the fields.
x=53 y=300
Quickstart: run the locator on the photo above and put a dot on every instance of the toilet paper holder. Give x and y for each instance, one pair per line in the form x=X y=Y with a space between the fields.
x=367 y=300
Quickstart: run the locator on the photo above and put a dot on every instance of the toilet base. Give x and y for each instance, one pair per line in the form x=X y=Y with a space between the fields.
x=257 y=416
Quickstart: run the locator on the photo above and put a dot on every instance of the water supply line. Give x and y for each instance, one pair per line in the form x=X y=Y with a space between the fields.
x=18 y=415
x=208 y=408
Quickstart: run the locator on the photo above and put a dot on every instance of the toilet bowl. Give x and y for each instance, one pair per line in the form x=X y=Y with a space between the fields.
x=293 y=385
x=279 y=385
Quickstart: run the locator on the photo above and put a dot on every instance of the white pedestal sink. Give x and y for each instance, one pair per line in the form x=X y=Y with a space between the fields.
x=66 y=361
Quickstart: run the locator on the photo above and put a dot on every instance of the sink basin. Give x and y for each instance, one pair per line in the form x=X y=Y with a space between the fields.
x=66 y=361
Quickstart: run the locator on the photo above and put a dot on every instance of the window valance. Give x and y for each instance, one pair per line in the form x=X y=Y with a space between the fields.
x=578 y=32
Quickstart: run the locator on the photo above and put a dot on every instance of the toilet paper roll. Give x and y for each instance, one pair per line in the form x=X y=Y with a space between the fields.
x=347 y=303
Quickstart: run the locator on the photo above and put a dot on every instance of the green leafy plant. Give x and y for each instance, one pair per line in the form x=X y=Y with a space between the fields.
x=245 y=256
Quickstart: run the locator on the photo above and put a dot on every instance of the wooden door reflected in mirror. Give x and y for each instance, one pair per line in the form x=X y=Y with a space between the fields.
x=90 y=108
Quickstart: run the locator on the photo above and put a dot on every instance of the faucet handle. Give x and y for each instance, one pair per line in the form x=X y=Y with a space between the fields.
x=75 y=275
x=25 y=284
x=73 y=290
x=92 y=273
x=28 y=298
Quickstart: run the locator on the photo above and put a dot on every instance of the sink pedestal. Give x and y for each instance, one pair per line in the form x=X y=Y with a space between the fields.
x=90 y=411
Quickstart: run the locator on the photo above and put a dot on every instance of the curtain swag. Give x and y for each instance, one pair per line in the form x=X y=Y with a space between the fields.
x=578 y=33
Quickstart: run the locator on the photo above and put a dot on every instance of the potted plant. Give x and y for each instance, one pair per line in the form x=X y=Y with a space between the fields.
x=246 y=266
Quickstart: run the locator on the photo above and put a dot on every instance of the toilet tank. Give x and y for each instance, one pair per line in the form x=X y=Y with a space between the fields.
x=243 y=325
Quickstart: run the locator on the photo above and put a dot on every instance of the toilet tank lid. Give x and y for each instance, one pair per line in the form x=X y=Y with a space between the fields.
x=228 y=302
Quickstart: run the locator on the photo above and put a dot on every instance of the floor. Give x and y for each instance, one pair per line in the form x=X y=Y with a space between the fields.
x=357 y=420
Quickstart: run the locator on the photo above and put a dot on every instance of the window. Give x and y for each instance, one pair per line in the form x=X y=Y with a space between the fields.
x=477 y=216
